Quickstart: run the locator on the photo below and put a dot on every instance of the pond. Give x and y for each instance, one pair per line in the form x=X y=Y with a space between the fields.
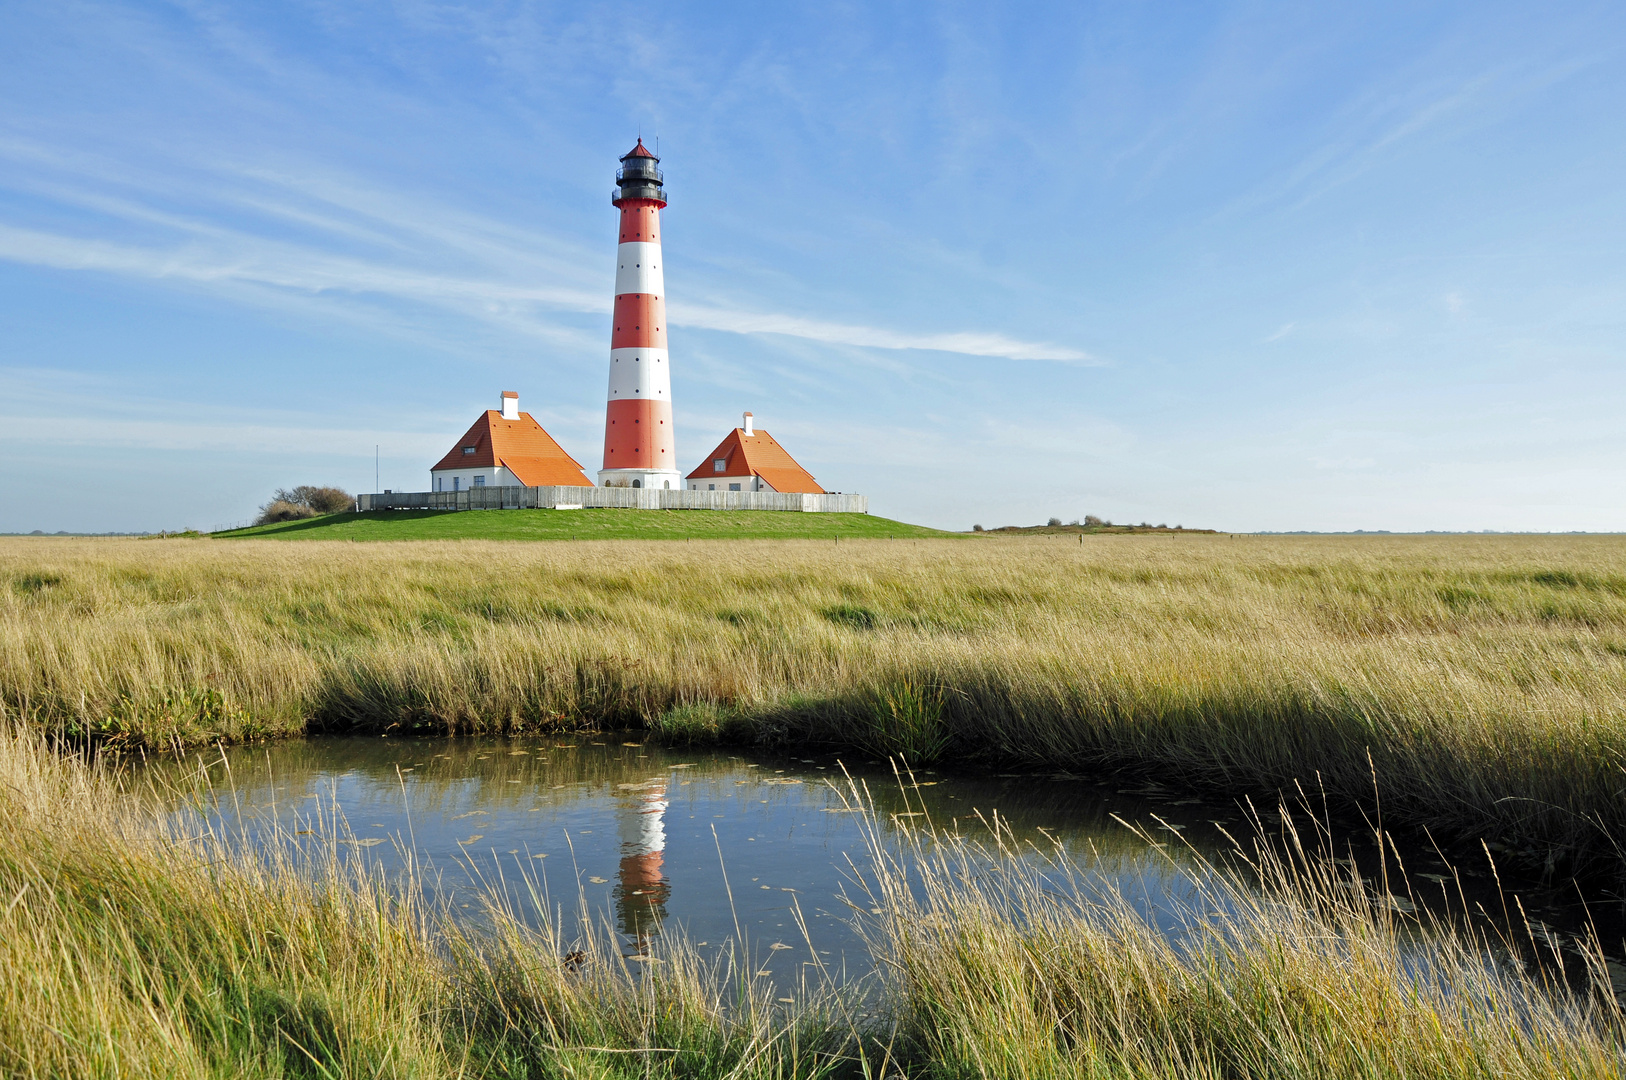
x=657 y=838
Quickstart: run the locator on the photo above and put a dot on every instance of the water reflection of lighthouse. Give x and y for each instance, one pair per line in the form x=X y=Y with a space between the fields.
x=640 y=895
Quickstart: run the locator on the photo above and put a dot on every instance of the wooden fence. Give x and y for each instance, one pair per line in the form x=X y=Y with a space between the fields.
x=550 y=497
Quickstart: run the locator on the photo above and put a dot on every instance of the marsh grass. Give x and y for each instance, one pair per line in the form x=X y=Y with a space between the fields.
x=129 y=948
x=1024 y=967
x=1483 y=679
x=133 y=948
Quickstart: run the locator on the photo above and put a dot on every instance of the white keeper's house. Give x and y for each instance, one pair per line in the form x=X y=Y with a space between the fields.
x=749 y=459
x=506 y=448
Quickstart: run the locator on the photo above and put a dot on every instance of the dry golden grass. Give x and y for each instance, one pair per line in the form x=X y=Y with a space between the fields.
x=1482 y=678
x=1009 y=968
x=128 y=949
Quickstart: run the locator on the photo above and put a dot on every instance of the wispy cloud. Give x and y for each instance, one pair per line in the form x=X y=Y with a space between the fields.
x=353 y=240
x=1393 y=113
x=36 y=402
x=1286 y=328
x=968 y=343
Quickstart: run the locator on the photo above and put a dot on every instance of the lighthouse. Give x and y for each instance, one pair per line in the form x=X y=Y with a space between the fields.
x=639 y=449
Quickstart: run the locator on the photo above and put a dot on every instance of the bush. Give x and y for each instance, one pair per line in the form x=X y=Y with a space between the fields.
x=323 y=500
x=1054 y=522
x=976 y=528
x=282 y=510
x=304 y=501
x=1092 y=520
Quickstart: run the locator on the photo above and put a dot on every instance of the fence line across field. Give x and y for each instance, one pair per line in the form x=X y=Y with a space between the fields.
x=558 y=496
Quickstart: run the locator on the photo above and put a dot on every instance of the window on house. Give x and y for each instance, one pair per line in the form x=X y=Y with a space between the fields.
x=733 y=487
x=711 y=487
x=468 y=449
x=719 y=465
x=479 y=481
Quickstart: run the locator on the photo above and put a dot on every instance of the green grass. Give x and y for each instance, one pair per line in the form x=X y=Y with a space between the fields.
x=585 y=525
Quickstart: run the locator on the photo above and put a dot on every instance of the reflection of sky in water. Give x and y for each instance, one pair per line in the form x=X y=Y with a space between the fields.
x=632 y=827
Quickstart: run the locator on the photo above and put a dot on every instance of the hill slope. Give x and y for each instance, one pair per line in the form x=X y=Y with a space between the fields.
x=583 y=525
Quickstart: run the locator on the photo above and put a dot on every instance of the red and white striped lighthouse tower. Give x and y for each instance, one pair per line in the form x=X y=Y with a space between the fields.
x=639 y=450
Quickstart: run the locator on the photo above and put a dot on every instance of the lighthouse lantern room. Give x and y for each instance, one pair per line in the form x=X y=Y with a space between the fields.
x=639 y=448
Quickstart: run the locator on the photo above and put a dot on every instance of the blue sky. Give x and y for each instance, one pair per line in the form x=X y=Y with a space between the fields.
x=1244 y=266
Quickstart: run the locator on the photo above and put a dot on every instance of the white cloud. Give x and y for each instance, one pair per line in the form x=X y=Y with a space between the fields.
x=968 y=343
x=36 y=401
x=418 y=253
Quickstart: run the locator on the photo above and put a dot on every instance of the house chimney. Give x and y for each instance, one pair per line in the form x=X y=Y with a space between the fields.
x=748 y=430
x=510 y=405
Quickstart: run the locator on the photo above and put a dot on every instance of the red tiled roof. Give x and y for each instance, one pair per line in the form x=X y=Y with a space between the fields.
x=520 y=446
x=757 y=454
x=638 y=151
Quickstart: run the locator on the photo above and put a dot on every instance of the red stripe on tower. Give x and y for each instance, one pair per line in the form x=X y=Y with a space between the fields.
x=639 y=450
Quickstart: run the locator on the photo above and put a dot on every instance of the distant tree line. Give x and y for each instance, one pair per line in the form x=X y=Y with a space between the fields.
x=1089 y=524
x=291 y=504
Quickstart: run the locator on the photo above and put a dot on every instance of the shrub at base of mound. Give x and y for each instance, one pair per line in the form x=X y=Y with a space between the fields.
x=282 y=510
x=304 y=501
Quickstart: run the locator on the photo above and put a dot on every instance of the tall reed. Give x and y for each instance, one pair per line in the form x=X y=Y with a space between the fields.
x=1483 y=678
x=131 y=949
x=1007 y=967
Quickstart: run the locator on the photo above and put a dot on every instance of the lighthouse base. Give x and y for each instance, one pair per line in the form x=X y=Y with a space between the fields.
x=656 y=479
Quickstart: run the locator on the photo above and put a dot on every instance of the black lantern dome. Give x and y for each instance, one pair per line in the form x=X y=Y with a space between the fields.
x=638 y=178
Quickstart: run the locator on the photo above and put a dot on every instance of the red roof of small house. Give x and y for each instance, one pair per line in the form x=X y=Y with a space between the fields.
x=757 y=454
x=638 y=151
x=520 y=446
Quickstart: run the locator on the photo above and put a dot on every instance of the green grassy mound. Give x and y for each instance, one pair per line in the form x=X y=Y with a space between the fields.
x=584 y=525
